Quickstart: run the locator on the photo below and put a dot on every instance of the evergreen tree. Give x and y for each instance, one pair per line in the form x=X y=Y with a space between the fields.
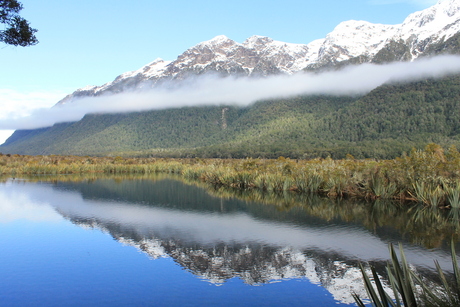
x=17 y=30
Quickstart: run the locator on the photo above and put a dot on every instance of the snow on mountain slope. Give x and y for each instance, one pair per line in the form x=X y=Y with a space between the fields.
x=440 y=20
x=354 y=38
x=433 y=25
x=262 y=56
x=257 y=55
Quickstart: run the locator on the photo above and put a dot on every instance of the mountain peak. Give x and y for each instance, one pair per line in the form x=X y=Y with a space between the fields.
x=448 y=7
x=219 y=38
x=353 y=38
x=257 y=40
x=216 y=41
x=156 y=61
x=441 y=17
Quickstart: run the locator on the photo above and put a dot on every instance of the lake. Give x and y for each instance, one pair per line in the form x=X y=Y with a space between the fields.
x=159 y=241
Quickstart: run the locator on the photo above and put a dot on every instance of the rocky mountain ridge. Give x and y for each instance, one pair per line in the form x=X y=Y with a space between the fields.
x=351 y=42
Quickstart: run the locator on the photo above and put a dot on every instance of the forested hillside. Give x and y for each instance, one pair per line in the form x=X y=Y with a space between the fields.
x=382 y=124
x=396 y=117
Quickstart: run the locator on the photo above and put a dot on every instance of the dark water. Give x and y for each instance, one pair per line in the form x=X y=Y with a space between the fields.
x=161 y=242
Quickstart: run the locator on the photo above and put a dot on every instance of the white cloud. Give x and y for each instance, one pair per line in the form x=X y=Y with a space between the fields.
x=15 y=104
x=211 y=90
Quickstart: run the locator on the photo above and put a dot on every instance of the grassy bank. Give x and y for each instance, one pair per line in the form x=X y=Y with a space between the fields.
x=430 y=176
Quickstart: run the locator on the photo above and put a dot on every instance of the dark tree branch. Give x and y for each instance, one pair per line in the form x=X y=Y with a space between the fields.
x=18 y=31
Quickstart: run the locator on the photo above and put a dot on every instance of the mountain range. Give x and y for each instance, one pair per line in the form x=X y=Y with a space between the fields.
x=297 y=127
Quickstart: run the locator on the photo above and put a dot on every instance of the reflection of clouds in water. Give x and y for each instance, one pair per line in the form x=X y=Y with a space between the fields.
x=19 y=206
x=203 y=228
x=207 y=229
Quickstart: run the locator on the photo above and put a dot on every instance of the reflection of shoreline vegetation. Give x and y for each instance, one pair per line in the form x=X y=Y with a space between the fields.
x=428 y=227
x=420 y=225
x=427 y=176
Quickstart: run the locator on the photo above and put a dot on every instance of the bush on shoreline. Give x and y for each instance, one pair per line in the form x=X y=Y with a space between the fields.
x=430 y=176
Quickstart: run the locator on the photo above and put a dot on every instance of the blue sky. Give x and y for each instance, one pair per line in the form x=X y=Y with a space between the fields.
x=90 y=42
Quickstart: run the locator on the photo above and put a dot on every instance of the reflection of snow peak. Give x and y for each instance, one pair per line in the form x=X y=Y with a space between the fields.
x=256 y=265
x=219 y=246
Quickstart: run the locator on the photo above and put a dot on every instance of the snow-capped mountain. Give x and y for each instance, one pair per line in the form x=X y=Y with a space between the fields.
x=427 y=32
x=437 y=23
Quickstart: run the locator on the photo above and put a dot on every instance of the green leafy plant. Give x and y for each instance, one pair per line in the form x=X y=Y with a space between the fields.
x=408 y=287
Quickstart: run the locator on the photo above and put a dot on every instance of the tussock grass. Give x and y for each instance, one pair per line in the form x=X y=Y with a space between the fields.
x=430 y=176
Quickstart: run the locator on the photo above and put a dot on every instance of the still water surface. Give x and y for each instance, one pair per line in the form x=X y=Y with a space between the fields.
x=161 y=242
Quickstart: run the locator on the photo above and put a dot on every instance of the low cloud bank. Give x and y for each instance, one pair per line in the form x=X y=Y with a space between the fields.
x=211 y=90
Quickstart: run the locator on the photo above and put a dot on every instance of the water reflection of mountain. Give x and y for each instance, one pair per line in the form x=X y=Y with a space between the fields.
x=218 y=239
x=252 y=262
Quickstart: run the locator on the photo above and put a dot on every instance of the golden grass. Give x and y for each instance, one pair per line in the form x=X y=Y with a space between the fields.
x=427 y=176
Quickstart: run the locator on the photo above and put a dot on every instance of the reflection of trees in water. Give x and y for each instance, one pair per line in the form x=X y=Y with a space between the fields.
x=425 y=226
x=428 y=227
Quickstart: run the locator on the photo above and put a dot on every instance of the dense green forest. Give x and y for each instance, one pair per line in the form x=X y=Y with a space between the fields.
x=384 y=123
